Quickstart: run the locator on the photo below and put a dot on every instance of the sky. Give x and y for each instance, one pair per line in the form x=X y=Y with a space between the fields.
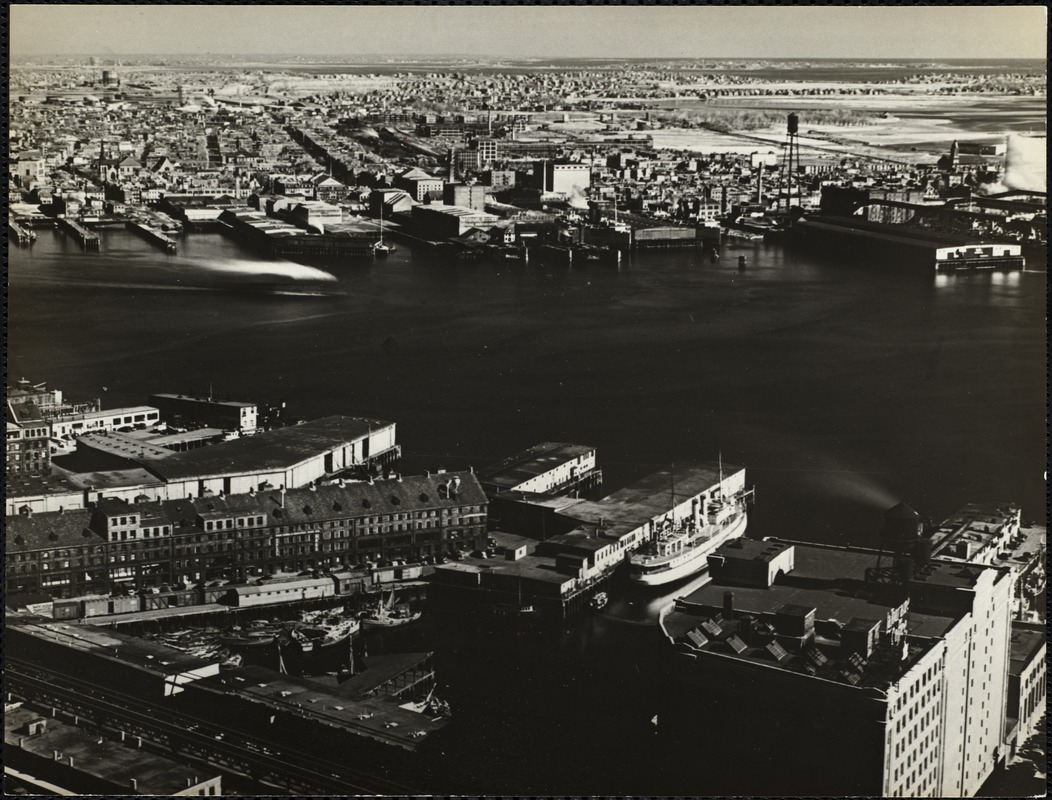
x=539 y=31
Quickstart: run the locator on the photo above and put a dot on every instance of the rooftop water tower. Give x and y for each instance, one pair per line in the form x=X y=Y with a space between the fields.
x=903 y=541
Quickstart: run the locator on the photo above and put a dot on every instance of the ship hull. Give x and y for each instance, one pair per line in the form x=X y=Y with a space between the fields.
x=694 y=562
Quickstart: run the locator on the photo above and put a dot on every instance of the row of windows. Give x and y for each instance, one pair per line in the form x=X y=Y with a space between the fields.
x=129 y=538
x=162 y=553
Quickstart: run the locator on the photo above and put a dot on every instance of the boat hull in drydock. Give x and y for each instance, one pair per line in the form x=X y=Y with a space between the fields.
x=689 y=562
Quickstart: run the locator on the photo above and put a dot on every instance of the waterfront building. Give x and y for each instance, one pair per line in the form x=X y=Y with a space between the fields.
x=48 y=401
x=548 y=468
x=438 y=221
x=290 y=457
x=228 y=415
x=141 y=543
x=67 y=426
x=315 y=215
x=898 y=676
x=28 y=442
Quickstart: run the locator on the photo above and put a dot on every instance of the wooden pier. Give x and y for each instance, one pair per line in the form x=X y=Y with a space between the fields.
x=24 y=236
x=87 y=239
x=153 y=235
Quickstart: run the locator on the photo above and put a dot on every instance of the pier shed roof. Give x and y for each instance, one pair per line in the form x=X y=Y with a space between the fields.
x=270 y=450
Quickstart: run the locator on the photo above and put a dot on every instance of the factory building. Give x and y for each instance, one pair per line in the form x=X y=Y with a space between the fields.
x=890 y=667
x=465 y=195
x=269 y=529
x=561 y=178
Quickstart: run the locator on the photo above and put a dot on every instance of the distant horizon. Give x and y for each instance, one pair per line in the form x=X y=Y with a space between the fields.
x=492 y=57
x=579 y=32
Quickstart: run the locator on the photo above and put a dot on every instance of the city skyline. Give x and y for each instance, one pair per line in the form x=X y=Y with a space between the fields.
x=535 y=31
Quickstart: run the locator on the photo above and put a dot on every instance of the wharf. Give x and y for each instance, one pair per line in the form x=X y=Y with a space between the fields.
x=153 y=235
x=88 y=240
x=22 y=235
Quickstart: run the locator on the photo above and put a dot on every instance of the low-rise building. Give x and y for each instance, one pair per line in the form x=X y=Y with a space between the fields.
x=438 y=221
x=549 y=468
x=144 y=543
x=28 y=442
x=228 y=415
x=51 y=754
x=289 y=457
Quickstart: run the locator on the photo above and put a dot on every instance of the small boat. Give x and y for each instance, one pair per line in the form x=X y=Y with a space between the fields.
x=599 y=600
x=251 y=639
x=429 y=705
x=388 y=615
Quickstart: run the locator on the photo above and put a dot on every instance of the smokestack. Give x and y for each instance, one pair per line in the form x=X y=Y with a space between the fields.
x=728 y=605
x=282 y=496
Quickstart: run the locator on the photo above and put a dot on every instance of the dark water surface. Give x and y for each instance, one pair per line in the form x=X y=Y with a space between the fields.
x=843 y=387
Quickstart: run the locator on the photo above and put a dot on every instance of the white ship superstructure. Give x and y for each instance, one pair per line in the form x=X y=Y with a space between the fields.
x=680 y=545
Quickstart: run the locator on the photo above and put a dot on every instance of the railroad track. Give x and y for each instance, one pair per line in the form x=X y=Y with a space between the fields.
x=205 y=741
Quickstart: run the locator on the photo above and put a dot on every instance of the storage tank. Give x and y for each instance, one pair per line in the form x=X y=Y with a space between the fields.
x=902 y=528
x=794 y=123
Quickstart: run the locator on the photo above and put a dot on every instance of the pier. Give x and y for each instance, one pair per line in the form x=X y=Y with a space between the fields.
x=153 y=235
x=87 y=239
x=23 y=236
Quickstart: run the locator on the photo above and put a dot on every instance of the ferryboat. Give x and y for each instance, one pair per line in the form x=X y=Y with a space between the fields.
x=680 y=550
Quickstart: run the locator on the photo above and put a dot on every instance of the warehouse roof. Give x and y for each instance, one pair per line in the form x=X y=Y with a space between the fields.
x=271 y=450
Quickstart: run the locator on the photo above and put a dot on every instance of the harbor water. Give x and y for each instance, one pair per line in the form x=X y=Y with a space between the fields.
x=844 y=387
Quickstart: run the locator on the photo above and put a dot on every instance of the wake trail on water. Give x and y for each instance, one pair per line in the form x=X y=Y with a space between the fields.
x=289 y=270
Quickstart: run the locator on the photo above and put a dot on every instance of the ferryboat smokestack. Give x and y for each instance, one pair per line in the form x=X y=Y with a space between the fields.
x=728 y=605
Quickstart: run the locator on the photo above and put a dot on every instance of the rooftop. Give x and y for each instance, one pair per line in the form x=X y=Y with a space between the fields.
x=187 y=398
x=118 y=444
x=41 y=485
x=271 y=450
x=146 y=655
x=1025 y=643
x=380 y=719
x=100 y=757
x=532 y=462
x=648 y=498
x=26 y=532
